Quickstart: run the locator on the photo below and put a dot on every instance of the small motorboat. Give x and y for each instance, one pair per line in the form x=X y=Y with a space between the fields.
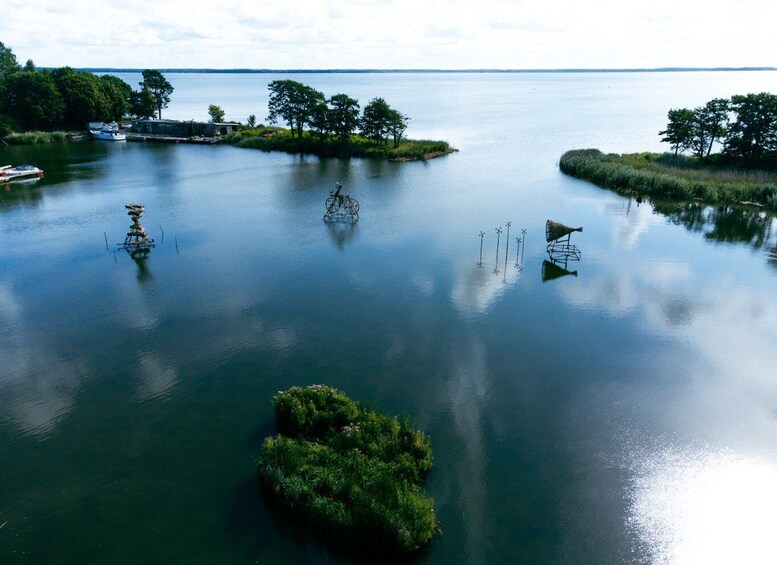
x=9 y=172
x=108 y=134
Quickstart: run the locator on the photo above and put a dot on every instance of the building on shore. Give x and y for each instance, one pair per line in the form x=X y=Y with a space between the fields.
x=183 y=129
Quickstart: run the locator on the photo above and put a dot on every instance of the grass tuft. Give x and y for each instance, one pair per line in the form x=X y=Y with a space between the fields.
x=348 y=471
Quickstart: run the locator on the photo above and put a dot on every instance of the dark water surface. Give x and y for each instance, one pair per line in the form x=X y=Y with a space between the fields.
x=626 y=412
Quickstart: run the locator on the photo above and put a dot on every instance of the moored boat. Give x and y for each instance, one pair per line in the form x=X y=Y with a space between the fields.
x=108 y=134
x=9 y=172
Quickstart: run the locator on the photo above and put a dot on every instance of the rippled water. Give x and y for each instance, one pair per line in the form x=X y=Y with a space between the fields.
x=622 y=409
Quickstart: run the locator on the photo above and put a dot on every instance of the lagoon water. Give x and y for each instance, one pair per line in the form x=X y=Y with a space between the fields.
x=624 y=412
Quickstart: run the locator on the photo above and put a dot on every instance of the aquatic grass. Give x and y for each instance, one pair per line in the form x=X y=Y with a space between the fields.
x=345 y=470
x=38 y=137
x=666 y=176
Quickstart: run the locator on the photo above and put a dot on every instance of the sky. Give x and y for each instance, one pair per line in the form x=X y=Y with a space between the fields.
x=391 y=34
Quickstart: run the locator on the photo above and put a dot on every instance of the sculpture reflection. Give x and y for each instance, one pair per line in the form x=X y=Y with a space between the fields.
x=551 y=271
x=341 y=233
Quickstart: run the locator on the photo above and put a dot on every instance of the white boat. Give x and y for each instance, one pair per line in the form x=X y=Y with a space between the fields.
x=109 y=134
x=9 y=172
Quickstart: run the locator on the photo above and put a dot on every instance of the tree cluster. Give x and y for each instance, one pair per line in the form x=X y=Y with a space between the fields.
x=298 y=105
x=31 y=99
x=745 y=124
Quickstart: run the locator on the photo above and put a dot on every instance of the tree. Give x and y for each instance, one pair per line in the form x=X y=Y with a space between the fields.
x=157 y=85
x=711 y=121
x=8 y=62
x=118 y=96
x=8 y=66
x=142 y=103
x=30 y=66
x=375 y=120
x=83 y=96
x=397 y=124
x=251 y=121
x=34 y=100
x=320 y=119
x=216 y=113
x=343 y=115
x=753 y=134
x=679 y=130
x=293 y=102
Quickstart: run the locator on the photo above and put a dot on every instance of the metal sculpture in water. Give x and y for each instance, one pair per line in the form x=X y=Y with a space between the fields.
x=559 y=246
x=137 y=241
x=341 y=207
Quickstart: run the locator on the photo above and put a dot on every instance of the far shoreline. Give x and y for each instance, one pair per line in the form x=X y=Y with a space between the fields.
x=422 y=71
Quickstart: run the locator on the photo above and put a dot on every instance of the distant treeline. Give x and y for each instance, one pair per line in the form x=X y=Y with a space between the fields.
x=379 y=71
x=744 y=126
x=64 y=98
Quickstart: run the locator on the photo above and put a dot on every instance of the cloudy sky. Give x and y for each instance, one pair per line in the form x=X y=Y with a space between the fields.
x=359 y=34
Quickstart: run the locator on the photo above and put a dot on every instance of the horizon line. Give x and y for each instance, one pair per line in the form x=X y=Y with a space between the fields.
x=376 y=71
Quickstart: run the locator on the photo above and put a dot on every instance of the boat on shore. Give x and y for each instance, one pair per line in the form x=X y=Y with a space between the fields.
x=20 y=172
x=108 y=134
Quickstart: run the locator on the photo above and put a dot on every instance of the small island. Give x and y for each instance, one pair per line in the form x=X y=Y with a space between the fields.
x=347 y=471
x=744 y=171
x=333 y=127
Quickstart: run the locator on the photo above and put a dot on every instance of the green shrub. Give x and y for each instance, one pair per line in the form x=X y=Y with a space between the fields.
x=348 y=471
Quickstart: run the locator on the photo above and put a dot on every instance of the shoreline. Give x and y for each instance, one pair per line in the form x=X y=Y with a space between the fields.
x=278 y=140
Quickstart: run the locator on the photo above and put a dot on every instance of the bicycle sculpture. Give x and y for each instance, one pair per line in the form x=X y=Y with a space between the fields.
x=341 y=208
x=559 y=247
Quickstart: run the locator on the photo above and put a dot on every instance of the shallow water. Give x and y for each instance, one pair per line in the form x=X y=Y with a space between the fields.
x=622 y=412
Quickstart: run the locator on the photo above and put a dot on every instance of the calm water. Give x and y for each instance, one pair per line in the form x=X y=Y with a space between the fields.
x=626 y=412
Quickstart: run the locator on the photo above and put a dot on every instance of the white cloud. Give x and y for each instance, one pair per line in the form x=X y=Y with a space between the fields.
x=390 y=34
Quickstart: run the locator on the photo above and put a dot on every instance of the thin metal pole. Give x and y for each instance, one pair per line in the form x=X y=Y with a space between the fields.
x=523 y=240
x=105 y=235
x=480 y=262
x=176 y=244
x=507 y=245
x=517 y=250
x=498 y=232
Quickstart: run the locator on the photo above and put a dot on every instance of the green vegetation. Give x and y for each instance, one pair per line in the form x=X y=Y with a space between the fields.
x=675 y=177
x=38 y=137
x=216 y=113
x=278 y=139
x=155 y=83
x=63 y=98
x=745 y=124
x=347 y=471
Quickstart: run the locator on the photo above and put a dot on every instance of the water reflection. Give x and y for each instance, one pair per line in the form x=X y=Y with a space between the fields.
x=341 y=233
x=37 y=386
x=551 y=271
x=725 y=224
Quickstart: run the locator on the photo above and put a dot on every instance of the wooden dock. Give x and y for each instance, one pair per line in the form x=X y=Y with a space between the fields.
x=156 y=138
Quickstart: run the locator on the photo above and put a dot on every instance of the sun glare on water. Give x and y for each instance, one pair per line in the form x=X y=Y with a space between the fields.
x=706 y=508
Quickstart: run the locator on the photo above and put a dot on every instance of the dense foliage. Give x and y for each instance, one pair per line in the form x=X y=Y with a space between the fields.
x=348 y=471
x=277 y=139
x=297 y=105
x=670 y=176
x=746 y=125
x=31 y=99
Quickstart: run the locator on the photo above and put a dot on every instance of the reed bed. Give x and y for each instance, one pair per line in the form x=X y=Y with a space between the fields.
x=667 y=176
